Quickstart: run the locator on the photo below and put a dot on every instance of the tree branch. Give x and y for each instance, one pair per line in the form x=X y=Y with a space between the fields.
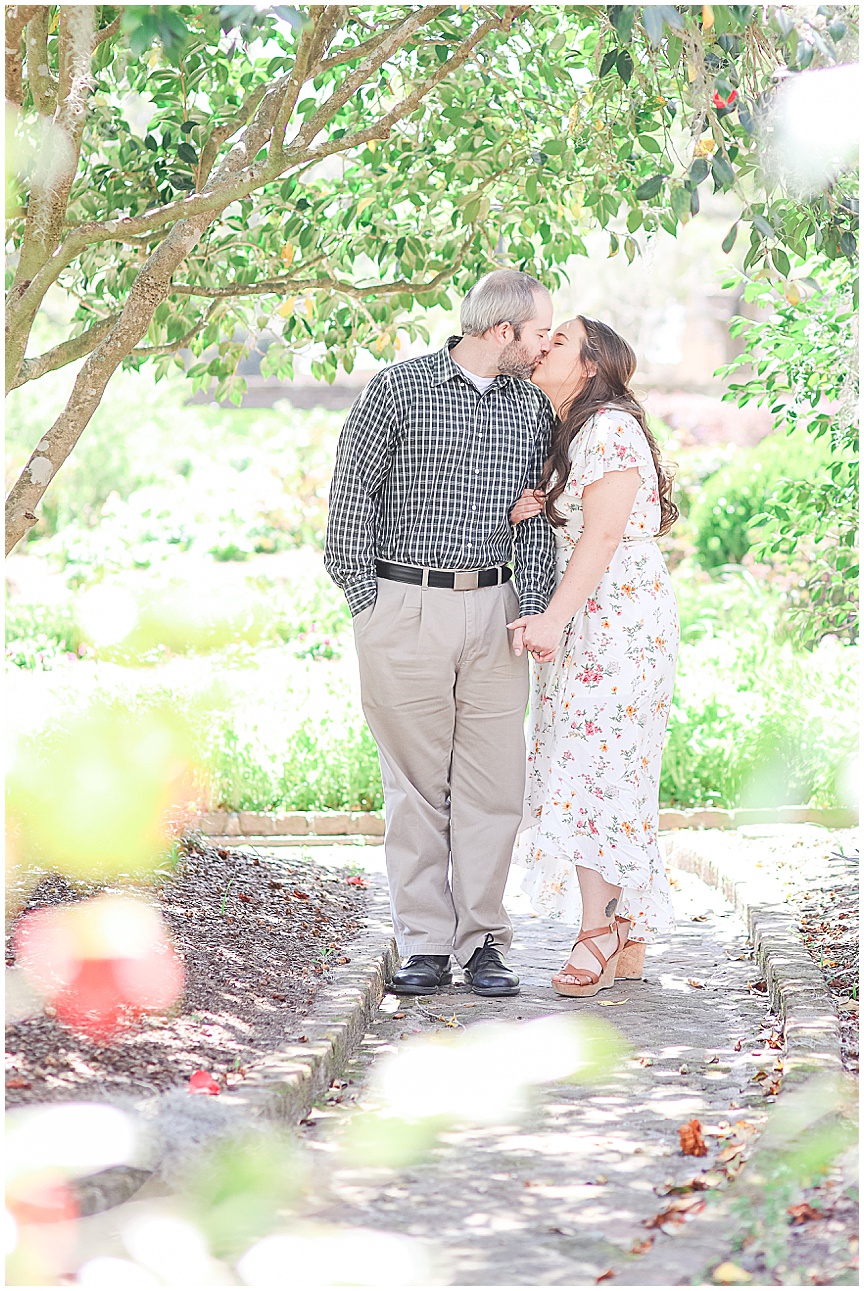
x=77 y=347
x=107 y=32
x=149 y=289
x=17 y=18
x=43 y=87
x=351 y=54
x=240 y=174
x=382 y=127
x=171 y=347
x=282 y=286
x=396 y=37
x=296 y=80
x=217 y=137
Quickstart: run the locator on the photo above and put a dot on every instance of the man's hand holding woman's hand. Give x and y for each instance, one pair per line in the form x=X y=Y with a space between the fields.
x=539 y=634
x=530 y=504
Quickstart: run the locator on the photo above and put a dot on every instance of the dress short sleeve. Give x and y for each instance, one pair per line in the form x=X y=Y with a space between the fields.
x=610 y=441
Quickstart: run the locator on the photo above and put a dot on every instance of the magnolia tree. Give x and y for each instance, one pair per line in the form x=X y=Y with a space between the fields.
x=196 y=176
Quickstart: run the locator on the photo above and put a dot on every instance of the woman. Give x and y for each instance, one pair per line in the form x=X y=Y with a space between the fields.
x=605 y=653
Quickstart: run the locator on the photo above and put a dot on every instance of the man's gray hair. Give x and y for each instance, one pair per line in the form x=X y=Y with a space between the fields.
x=503 y=296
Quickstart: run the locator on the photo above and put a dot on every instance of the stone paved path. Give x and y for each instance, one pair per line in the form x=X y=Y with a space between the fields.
x=561 y=1198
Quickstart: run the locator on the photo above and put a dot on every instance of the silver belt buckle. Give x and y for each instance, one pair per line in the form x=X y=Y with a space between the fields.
x=465 y=582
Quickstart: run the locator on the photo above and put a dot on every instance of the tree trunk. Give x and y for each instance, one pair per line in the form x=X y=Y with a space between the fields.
x=149 y=290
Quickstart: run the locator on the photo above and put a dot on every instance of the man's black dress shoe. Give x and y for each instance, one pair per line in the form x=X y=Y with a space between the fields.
x=421 y=975
x=487 y=974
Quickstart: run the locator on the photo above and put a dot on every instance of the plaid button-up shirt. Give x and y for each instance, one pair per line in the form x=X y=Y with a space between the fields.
x=427 y=471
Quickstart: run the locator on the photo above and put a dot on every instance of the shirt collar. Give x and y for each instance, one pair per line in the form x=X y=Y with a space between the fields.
x=444 y=368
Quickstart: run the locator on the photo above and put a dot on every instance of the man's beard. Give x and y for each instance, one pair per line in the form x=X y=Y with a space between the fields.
x=515 y=361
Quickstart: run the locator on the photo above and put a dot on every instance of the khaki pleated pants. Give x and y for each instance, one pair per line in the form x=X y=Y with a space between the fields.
x=445 y=698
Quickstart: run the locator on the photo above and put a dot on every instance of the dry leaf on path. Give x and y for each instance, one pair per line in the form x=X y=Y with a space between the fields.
x=692 y=1142
x=609 y=1004
x=730 y=1275
x=727 y=1153
x=801 y=1213
x=604 y=1277
x=697 y=986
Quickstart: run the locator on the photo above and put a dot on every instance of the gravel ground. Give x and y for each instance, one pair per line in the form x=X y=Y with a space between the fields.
x=257 y=935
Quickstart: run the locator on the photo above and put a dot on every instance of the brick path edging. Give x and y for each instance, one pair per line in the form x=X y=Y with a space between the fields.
x=797 y=991
x=283 y=1086
x=333 y=824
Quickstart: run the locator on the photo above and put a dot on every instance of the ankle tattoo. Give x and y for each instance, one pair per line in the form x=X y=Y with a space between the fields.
x=611 y=907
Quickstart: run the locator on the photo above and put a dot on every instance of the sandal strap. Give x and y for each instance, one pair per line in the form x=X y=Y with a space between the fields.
x=594 y=932
x=585 y=938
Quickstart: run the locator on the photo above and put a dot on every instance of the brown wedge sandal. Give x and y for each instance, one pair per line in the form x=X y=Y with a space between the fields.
x=589 y=983
x=631 y=961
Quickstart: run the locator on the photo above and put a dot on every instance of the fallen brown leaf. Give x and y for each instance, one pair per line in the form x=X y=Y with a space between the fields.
x=676 y=1212
x=698 y=986
x=692 y=1142
x=727 y=1153
x=639 y=1248
x=801 y=1213
x=604 y=1277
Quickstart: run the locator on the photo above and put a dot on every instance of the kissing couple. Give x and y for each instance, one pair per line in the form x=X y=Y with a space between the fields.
x=494 y=503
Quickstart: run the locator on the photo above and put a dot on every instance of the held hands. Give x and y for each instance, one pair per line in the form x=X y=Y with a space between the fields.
x=539 y=634
x=530 y=504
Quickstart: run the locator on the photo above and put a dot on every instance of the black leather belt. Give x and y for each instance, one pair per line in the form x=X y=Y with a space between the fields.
x=458 y=579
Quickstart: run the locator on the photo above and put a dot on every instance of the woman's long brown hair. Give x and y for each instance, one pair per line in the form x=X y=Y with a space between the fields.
x=608 y=388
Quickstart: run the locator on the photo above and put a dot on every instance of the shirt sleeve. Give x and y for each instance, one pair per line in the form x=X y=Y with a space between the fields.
x=364 y=456
x=534 y=541
x=613 y=442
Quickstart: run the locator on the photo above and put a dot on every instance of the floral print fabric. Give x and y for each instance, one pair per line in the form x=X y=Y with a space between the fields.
x=599 y=709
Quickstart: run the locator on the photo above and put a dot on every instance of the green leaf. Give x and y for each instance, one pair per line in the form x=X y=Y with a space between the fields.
x=745 y=116
x=623 y=21
x=729 y=241
x=652 y=21
x=187 y=153
x=671 y=17
x=848 y=244
x=760 y=223
x=634 y=219
x=680 y=201
x=630 y=249
x=781 y=262
x=608 y=62
x=724 y=175
x=624 y=66
x=699 y=170
x=649 y=143
x=649 y=188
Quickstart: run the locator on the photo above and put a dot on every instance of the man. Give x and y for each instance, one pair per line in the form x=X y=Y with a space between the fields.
x=434 y=454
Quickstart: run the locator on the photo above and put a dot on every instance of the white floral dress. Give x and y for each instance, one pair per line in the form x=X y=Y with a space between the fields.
x=599 y=710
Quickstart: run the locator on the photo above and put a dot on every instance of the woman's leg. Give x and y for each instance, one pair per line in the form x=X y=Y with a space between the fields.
x=599 y=907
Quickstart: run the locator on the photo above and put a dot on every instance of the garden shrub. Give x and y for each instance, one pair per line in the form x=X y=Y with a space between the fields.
x=758 y=724
x=722 y=514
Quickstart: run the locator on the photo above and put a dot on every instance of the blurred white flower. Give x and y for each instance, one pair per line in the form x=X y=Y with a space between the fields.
x=325 y=1258
x=71 y=1139
x=812 y=131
